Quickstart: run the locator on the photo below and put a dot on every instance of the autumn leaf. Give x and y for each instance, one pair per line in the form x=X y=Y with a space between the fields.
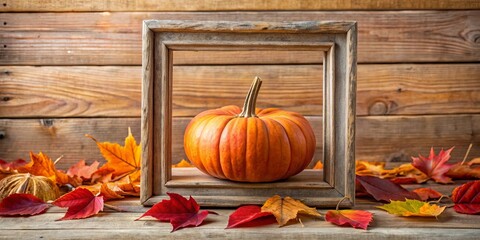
x=318 y=165
x=355 y=218
x=22 y=204
x=403 y=174
x=384 y=189
x=286 y=209
x=41 y=165
x=427 y=193
x=179 y=211
x=465 y=171
x=435 y=166
x=364 y=168
x=82 y=170
x=11 y=166
x=409 y=208
x=108 y=193
x=467 y=198
x=182 y=164
x=123 y=160
x=249 y=215
x=81 y=203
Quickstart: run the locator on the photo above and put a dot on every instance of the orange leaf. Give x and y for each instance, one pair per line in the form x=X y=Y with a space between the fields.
x=124 y=160
x=80 y=169
x=364 y=168
x=427 y=193
x=286 y=209
x=410 y=208
x=354 y=218
x=465 y=171
x=318 y=165
x=182 y=164
x=109 y=194
x=42 y=165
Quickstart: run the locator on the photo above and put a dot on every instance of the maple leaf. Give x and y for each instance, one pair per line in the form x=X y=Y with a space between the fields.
x=435 y=166
x=182 y=164
x=124 y=160
x=318 y=165
x=355 y=218
x=82 y=170
x=81 y=203
x=22 y=204
x=427 y=193
x=465 y=171
x=11 y=166
x=109 y=194
x=179 y=211
x=384 y=189
x=286 y=209
x=41 y=165
x=250 y=215
x=410 y=208
x=467 y=198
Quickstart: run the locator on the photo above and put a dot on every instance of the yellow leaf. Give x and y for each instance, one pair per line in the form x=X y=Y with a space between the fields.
x=286 y=209
x=182 y=164
x=123 y=160
x=410 y=208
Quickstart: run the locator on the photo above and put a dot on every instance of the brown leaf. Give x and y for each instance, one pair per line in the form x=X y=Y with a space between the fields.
x=465 y=171
x=286 y=209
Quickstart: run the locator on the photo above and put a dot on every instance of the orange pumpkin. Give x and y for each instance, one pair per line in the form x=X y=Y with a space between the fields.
x=249 y=145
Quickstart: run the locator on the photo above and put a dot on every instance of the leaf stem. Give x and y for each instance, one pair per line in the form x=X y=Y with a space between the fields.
x=466 y=154
x=115 y=208
x=338 y=204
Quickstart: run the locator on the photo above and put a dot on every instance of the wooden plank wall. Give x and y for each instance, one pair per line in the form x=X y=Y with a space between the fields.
x=73 y=67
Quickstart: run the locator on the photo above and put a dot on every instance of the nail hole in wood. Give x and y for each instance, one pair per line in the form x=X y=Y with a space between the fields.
x=4 y=23
x=6 y=99
x=47 y=122
x=4 y=46
x=4 y=4
x=2 y=134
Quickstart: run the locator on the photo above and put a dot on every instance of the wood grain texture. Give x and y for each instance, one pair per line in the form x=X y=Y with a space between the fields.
x=383 y=89
x=218 y=5
x=115 y=39
x=378 y=138
x=108 y=225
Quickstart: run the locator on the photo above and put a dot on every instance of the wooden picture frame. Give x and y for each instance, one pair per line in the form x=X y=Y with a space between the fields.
x=338 y=41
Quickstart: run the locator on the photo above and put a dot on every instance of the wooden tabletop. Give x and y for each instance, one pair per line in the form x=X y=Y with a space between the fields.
x=121 y=225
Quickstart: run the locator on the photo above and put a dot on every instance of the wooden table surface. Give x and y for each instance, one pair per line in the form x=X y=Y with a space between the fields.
x=121 y=225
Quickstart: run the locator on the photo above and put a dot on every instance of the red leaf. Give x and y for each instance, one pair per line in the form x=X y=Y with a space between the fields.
x=81 y=203
x=13 y=165
x=404 y=180
x=427 y=193
x=82 y=170
x=22 y=204
x=251 y=216
x=385 y=190
x=179 y=211
x=354 y=218
x=435 y=166
x=467 y=198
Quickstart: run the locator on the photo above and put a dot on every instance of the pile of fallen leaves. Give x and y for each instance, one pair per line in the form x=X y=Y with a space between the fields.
x=87 y=188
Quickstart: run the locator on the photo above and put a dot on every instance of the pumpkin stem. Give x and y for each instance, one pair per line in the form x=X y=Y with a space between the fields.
x=248 y=109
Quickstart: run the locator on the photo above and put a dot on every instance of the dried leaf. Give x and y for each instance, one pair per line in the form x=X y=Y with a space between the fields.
x=427 y=193
x=384 y=190
x=465 y=171
x=22 y=204
x=179 y=211
x=364 y=168
x=318 y=165
x=249 y=215
x=467 y=198
x=125 y=161
x=81 y=203
x=410 y=208
x=355 y=218
x=11 y=166
x=182 y=164
x=286 y=209
x=405 y=173
x=435 y=166
x=109 y=194
x=41 y=165
x=82 y=170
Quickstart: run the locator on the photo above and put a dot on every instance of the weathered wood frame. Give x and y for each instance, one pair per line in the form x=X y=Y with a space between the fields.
x=338 y=41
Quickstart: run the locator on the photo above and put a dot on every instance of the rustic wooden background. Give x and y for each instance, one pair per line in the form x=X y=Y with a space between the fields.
x=73 y=67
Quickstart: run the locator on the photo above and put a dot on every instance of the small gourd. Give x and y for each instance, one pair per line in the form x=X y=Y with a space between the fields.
x=40 y=186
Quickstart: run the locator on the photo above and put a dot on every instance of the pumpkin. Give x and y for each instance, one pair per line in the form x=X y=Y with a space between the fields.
x=40 y=186
x=249 y=144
